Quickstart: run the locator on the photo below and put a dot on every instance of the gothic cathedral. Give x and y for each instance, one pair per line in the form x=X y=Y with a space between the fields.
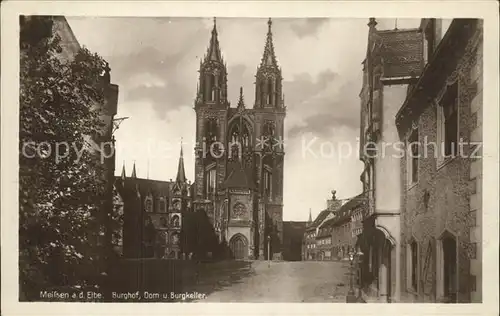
x=240 y=156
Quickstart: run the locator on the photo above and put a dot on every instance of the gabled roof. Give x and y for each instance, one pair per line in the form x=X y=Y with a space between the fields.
x=239 y=178
x=128 y=188
x=401 y=52
x=319 y=219
x=344 y=213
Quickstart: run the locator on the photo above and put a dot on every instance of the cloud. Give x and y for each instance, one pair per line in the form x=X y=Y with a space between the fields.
x=322 y=105
x=307 y=27
x=155 y=62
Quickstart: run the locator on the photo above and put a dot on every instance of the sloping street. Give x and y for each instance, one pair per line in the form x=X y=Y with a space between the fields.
x=257 y=281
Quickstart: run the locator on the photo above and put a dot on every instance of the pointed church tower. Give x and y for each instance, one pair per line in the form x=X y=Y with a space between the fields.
x=212 y=86
x=134 y=173
x=268 y=83
x=181 y=174
x=309 y=221
x=241 y=101
x=123 y=176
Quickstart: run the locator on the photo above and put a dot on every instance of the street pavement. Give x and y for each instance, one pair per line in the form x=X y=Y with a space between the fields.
x=257 y=281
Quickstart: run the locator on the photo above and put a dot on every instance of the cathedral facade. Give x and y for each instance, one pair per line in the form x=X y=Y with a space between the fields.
x=234 y=207
x=240 y=155
x=156 y=216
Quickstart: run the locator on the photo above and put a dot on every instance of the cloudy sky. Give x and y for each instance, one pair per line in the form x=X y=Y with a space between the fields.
x=155 y=62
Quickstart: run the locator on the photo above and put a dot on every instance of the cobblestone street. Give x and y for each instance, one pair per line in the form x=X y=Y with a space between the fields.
x=279 y=282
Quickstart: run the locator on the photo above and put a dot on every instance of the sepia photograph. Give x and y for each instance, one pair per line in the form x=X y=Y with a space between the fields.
x=201 y=159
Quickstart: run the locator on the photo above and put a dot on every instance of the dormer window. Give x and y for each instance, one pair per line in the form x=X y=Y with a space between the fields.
x=148 y=205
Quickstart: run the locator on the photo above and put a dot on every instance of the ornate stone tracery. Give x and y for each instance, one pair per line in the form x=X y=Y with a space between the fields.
x=239 y=210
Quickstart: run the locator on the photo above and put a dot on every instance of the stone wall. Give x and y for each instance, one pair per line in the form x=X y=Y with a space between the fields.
x=446 y=197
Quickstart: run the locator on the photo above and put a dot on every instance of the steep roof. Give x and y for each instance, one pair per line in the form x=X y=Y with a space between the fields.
x=181 y=173
x=443 y=61
x=239 y=178
x=319 y=219
x=128 y=188
x=401 y=52
x=213 y=50
x=269 y=57
x=344 y=213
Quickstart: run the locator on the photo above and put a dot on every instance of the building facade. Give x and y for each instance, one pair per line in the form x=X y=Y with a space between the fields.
x=316 y=242
x=441 y=192
x=324 y=245
x=240 y=156
x=343 y=238
x=157 y=216
x=393 y=62
x=293 y=233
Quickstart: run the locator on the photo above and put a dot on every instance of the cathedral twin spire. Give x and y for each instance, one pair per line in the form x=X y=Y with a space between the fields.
x=212 y=86
x=213 y=50
x=269 y=57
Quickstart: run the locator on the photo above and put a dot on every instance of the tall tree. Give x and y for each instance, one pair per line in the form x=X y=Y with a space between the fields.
x=60 y=187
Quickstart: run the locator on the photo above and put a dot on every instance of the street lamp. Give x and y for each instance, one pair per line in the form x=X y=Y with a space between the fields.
x=351 y=295
x=359 y=256
x=269 y=250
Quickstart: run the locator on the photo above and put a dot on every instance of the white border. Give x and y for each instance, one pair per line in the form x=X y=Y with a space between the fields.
x=9 y=144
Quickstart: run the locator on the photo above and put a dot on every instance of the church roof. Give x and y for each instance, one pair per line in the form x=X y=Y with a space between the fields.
x=239 y=178
x=269 y=57
x=181 y=173
x=213 y=51
x=128 y=188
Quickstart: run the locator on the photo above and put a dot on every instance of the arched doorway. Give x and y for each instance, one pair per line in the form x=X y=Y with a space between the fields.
x=447 y=276
x=238 y=245
x=384 y=254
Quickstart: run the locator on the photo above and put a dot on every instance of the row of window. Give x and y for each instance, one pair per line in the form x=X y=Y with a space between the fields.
x=161 y=205
x=175 y=221
x=358 y=216
x=447 y=135
x=326 y=241
x=211 y=88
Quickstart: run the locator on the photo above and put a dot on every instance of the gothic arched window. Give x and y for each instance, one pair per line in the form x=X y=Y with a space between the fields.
x=263 y=92
x=235 y=134
x=162 y=207
x=245 y=137
x=270 y=91
x=268 y=133
x=210 y=181
x=163 y=222
x=175 y=221
x=212 y=87
x=211 y=130
x=148 y=204
x=268 y=176
x=175 y=239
